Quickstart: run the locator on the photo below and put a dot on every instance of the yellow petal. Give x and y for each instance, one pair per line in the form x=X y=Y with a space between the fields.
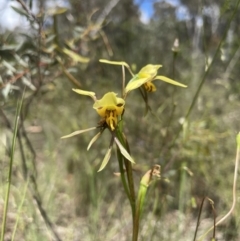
x=120 y=101
x=109 y=102
x=109 y=99
x=170 y=81
x=101 y=110
x=147 y=73
x=113 y=62
x=122 y=63
x=150 y=69
x=84 y=92
x=136 y=82
x=120 y=106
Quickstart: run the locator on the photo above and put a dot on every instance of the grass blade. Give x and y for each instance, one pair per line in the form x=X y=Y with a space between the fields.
x=20 y=209
x=19 y=106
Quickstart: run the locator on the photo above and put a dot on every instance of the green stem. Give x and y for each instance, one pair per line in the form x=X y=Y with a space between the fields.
x=129 y=171
x=55 y=30
x=130 y=190
x=128 y=166
x=120 y=162
x=19 y=105
x=20 y=209
x=173 y=63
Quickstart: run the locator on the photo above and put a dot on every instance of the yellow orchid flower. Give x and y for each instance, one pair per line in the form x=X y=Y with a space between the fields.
x=145 y=77
x=109 y=107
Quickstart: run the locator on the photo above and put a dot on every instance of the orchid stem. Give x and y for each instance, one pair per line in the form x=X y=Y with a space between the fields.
x=130 y=189
x=120 y=161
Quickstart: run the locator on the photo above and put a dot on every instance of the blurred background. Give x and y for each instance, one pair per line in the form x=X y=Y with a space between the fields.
x=49 y=47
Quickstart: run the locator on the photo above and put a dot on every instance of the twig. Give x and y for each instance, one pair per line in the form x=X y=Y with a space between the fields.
x=234 y=192
x=70 y=76
x=27 y=10
x=29 y=144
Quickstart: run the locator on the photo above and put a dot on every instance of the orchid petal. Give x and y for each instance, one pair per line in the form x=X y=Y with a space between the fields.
x=106 y=159
x=136 y=82
x=122 y=63
x=84 y=92
x=105 y=61
x=78 y=132
x=108 y=99
x=170 y=81
x=109 y=102
x=150 y=69
x=120 y=106
x=123 y=150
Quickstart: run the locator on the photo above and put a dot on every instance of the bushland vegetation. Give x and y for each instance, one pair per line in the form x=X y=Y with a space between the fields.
x=51 y=188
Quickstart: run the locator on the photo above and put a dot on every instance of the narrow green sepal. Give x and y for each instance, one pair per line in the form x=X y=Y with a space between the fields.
x=78 y=132
x=123 y=150
x=106 y=159
x=94 y=139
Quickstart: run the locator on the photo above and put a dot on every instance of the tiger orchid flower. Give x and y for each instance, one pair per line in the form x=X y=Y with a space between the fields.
x=144 y=77
x=109 y=107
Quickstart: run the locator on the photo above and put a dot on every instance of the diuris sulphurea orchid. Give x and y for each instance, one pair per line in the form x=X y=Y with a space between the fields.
x=109 y=107
x=144 y=77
